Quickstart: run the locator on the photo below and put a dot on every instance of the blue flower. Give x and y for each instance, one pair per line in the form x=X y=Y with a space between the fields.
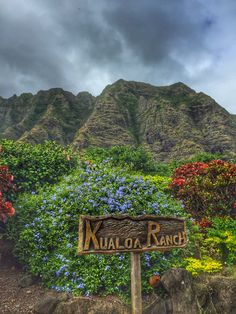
x=123 y=207
x=121 y=257
x=80 y=285
x=155 y=205
x=58 y=273
x=147 y=259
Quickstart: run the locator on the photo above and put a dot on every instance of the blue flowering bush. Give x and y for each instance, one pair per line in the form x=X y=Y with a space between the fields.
x=45 y=229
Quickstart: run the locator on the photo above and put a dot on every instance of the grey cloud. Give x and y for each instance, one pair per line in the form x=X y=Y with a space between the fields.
x=86 y=44
x=152 y=31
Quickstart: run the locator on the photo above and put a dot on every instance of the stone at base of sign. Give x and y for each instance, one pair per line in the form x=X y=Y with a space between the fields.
x=124 y=233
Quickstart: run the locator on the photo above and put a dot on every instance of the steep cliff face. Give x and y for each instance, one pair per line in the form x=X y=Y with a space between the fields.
x=171 y=121
x=49 y=115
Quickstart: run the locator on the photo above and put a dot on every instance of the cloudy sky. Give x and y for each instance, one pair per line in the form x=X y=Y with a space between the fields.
x=87 y=44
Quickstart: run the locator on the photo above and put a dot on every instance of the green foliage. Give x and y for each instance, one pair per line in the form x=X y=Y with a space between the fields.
x=212 y=245
x=35 y=165
x=201 y=157
x=133 y=158
x=46 y=227
x=221 y=239
x=161 y=182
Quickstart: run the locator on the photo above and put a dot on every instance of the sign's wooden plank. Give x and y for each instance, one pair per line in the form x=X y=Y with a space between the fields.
x=124 y=233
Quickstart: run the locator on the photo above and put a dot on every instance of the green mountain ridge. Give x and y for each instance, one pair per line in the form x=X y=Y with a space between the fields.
x=170 y=121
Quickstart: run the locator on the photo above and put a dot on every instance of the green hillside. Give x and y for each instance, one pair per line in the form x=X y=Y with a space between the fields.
x=172 y=122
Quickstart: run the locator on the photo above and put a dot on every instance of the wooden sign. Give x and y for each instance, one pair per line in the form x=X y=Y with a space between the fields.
x=112 y=234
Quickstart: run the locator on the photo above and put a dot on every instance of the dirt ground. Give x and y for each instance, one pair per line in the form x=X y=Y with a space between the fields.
x=15 y=299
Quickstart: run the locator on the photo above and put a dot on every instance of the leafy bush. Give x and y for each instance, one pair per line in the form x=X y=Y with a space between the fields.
x=200 y=157
x=206 y=264
x=206 y=189
x=6 y=187
x=46 y=227
x=161 y=182
x=221 y=240
x=35 y=165
x=134 y=158
x=213 y=245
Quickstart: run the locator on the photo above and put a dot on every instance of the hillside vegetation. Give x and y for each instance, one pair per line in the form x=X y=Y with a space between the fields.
x=171 y=122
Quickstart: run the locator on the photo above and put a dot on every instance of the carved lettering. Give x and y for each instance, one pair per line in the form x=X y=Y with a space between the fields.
x=111 y=234
x=175 y=237
x=128 y=243
x=118 y=246
x=91 y=235
x=182 y=237
x=137 y=244
x=162 y=240
x=153 y=229
x=169 y=240
x=111 y=245
x=103 y=243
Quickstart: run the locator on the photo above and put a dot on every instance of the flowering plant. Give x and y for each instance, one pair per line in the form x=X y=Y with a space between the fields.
x=206 y=189
x=46 y=229
x=206 y=264
x=6 y=185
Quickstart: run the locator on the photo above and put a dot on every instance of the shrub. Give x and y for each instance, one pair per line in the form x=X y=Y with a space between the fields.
x=161 y=182
x=35 y=165
x=221 y=240
x=46 y=228
x=206 y=189
x=206 y=264
x=6 y=188
x=212 y=245
x=134 y=158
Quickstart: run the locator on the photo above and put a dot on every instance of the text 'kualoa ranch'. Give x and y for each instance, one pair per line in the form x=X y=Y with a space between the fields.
x=153 y=238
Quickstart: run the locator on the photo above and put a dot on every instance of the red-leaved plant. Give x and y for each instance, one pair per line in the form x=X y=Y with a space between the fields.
x=6 y=186
x=206 y=189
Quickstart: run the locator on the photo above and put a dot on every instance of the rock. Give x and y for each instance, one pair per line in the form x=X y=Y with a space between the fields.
x=160 y=305
x=83 y=305
x=47 y=305
x=216 y=294
x=27 y=280
x=177 y=293
x=179 y=285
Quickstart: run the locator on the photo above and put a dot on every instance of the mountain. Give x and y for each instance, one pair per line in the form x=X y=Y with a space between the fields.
x=171 y=121
x=49 y=115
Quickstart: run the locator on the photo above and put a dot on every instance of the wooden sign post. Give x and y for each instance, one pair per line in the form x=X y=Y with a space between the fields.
x=136 y=289
x=114 y=234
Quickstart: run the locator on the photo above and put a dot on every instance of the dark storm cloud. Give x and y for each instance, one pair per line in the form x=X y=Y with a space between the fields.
x=152 y=31
x=86 y=44
x=27 y=50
